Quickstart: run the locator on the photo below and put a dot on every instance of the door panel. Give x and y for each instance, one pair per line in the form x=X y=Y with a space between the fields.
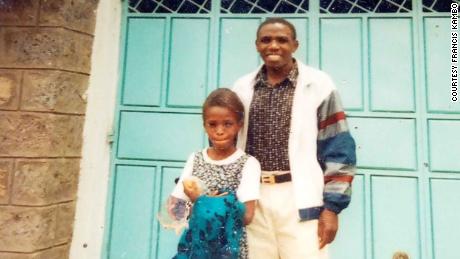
x=391 y=64
x=238 y=55
x=344 y=60
x=395 y=216
x=131 y=216
x=167 y=239
x=399 y=150
x=352 y=234
x=157 y=136
x=188 y=62
x=144 y=62
x=446 y=211
x=444 y=154
x=438 y=56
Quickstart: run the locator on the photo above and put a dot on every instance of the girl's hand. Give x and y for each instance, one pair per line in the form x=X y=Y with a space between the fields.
x=249 y=212
x=192 y=189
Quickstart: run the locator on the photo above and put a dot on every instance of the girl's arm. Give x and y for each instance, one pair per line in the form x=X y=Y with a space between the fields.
x=249 y=212
x=178 y=190
x=249 y=189
x=178 y=202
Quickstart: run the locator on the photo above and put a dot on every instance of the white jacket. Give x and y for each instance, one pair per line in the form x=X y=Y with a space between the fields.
x=313 y=86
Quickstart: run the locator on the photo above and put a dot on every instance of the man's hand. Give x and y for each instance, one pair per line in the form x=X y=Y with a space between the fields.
x=328 y=223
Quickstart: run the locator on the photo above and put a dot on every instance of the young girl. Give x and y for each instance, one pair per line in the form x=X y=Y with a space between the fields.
x=231 y=178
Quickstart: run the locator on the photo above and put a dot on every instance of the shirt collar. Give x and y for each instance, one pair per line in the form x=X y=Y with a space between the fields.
x=261 y=77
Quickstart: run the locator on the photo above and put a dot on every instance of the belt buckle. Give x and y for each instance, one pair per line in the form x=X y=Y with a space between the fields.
x=268 y=179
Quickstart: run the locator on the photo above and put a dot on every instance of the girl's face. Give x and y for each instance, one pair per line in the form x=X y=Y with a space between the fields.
x=222 y=126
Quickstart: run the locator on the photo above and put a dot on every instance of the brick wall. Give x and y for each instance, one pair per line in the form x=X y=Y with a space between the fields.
x=45 y=50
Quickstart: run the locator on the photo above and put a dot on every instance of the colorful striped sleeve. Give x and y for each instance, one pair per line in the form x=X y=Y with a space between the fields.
x=336 y=153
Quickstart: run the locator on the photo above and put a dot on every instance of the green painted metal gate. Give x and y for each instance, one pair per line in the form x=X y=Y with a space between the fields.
x=391 y=62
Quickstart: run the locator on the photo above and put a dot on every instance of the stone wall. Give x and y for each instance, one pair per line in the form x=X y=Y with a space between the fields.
x=45 y=50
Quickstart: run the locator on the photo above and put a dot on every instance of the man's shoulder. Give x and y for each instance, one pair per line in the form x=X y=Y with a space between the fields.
x=313 y=72
x=316 y=76
x=245 y=83
x=249 y=77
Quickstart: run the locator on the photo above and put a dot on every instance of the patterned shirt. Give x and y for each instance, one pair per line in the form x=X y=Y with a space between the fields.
x=270 y=120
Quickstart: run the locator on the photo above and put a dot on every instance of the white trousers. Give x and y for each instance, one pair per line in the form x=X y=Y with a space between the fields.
x=276 y=232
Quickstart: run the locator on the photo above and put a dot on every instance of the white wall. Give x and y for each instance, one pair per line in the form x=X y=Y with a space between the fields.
x=93 y=185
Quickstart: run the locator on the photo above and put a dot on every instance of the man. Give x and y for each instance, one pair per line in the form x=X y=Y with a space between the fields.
x=295 y=126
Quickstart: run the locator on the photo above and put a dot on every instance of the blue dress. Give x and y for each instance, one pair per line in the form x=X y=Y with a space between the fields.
x=216 y=228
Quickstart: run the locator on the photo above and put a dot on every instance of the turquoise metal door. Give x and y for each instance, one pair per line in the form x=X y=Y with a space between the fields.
x=391 y=61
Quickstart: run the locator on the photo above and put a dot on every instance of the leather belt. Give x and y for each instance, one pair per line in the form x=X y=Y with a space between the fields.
x=272 y=179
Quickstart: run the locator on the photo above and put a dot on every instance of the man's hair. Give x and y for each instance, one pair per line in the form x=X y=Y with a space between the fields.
x=226 y=98
x=278 y=20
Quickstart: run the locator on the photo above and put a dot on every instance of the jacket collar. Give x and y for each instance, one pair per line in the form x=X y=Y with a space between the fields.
x=304 y=78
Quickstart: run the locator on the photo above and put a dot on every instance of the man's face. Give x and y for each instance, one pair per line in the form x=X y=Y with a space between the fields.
x=275 y=44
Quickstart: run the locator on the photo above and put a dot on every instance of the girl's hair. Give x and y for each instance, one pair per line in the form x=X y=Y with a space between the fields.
x=226 y=98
